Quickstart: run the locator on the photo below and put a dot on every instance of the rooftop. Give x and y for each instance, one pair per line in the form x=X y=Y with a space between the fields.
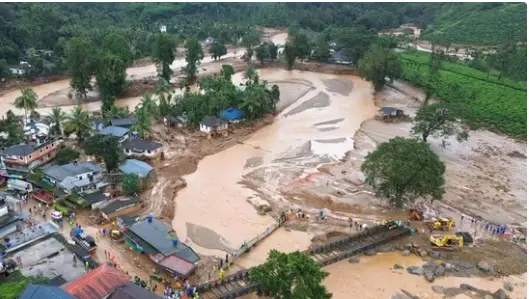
x=29 y=235
x=35 y=291
x=120 y=203
x=212 y=121
x=158 y=235
x=132 y=291
x=141 y=145
x=94 y=197
x=97 y=283
x=123 y=122
x=114 y=131
x=138 y=167
x=21 y=149
x=61 y=172
x=388 y=110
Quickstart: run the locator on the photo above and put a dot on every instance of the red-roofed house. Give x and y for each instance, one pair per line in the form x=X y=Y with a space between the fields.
x=98 y=283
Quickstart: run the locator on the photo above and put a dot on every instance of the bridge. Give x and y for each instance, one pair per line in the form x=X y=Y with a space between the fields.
x=239 y=284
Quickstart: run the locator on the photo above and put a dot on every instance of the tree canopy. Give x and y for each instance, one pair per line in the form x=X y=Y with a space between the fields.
x=380 y=64
x=164 y=52
x=104 y=147
x=436 y=120
x=130 y=184
x=291 y=275
x=403 y=169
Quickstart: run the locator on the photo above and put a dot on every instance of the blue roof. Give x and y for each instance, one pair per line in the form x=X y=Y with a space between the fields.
x=114 y=131
x=231 y=113
x=35 y=291
x=136 y=166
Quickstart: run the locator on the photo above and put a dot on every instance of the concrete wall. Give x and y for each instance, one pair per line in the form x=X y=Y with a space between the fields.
x=122 y=212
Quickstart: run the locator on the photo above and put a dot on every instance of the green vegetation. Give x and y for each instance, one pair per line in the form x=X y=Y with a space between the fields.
x=15 y=283
x=479 y=23
x=402 y=170
x=66 y=155
x=105 y=147
x=131 y=185
x=379 y=65
x=478 y=99
x=291 y=275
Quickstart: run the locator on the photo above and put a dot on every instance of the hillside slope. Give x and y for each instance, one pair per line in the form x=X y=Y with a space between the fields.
x=480 y=23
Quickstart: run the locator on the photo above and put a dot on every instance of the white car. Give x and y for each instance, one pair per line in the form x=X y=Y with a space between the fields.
x=56 y=215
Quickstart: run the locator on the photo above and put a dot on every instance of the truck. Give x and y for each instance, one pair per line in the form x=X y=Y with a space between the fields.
x=84 y=241
x=19 y=185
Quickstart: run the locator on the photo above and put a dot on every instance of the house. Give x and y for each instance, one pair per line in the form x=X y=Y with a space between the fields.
x=163 y=28
x=75 y=176
x=121 y=133
x=98 y=283
x=232 y=114
x=121 y=206
x=179 y=121
x=132 y=291
x=138 y=167
x=213 y=125
x=26 y=157
x=142 y=148
x=155 y=239
x=94 y=198
x=10 y=220
x=339 y=58
x=126 y=123
x=35 y=291
x=390 y=112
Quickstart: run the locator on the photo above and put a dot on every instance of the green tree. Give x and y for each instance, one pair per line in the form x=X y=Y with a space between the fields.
x=262 y=52
x=104 y=147
x=143 y=121
x=291 y=275
x=117 y=45
x=272 y=51
x=4 y=69
x=251 y=75
x=194 y=55
x=437 y=120
x=378 y=64
x=227 y=71
x=402 y=170
x=164 y=52
x=251 y=39
x=66 y=155
x=26 y=101
x=302 y=45
x=115 y=112
x=80 y=65
x=217 y=50
x=111 y=78
x=79 y=121
x=290 y=54
x=322 y=50
x=131 y=185
x=57 y=117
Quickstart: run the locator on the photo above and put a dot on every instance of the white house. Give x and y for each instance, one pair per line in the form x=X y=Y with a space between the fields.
x=163 y=28
x=213 y=125
x=142 y=148
x=75 y=177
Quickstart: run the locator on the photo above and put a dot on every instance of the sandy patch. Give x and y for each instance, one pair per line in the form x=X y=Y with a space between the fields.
x=339 y=85
x=207 y=238
x=319 y=101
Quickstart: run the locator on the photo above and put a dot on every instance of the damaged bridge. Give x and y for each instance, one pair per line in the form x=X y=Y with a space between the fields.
x=239 y=284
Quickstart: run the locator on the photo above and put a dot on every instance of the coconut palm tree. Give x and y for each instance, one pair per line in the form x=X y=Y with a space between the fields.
x=80 y=121
x=148 y=103
x=143 y=121
x=251 y=75
x=27 y=101
x=116 y=112
x=57 y=117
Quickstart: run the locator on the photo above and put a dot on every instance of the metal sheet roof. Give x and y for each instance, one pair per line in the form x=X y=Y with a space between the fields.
x=35 y=291
x=136 y=166
x=114 y=131
x=61 y=172
x=97 y=283
x=132 y=291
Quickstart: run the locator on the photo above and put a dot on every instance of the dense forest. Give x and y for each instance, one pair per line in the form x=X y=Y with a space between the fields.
x=47 y=26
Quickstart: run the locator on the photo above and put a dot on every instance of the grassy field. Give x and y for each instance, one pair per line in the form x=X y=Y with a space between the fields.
x=481 y=101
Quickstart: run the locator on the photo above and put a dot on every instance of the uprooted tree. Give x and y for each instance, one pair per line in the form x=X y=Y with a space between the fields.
x=439 y=121
x=404 y=169
x=291 y=275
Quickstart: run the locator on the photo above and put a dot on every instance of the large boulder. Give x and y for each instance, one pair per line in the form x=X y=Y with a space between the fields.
x=405 y=252
x=499 y=294
x=508 y=286
x=429 y=275
x=353 y=260
x=415 y=270
x=484 y=267
x=467 y=287
x=438 y=289
x=439 y=271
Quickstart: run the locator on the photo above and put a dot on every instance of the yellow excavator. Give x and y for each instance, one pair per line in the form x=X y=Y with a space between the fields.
x=442 y=224
x=451 y=241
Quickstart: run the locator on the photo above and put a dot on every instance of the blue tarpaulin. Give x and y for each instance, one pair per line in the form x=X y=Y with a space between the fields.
x=231 y=113
x=77 y=232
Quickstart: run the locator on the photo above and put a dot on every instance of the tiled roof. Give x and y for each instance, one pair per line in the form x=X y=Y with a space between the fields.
x=132 y=291
x=97 y=283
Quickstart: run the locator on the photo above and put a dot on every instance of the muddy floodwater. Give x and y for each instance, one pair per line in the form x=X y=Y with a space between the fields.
x=294 y=145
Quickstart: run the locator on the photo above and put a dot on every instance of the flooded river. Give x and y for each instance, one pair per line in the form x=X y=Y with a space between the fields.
x=320 y=115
